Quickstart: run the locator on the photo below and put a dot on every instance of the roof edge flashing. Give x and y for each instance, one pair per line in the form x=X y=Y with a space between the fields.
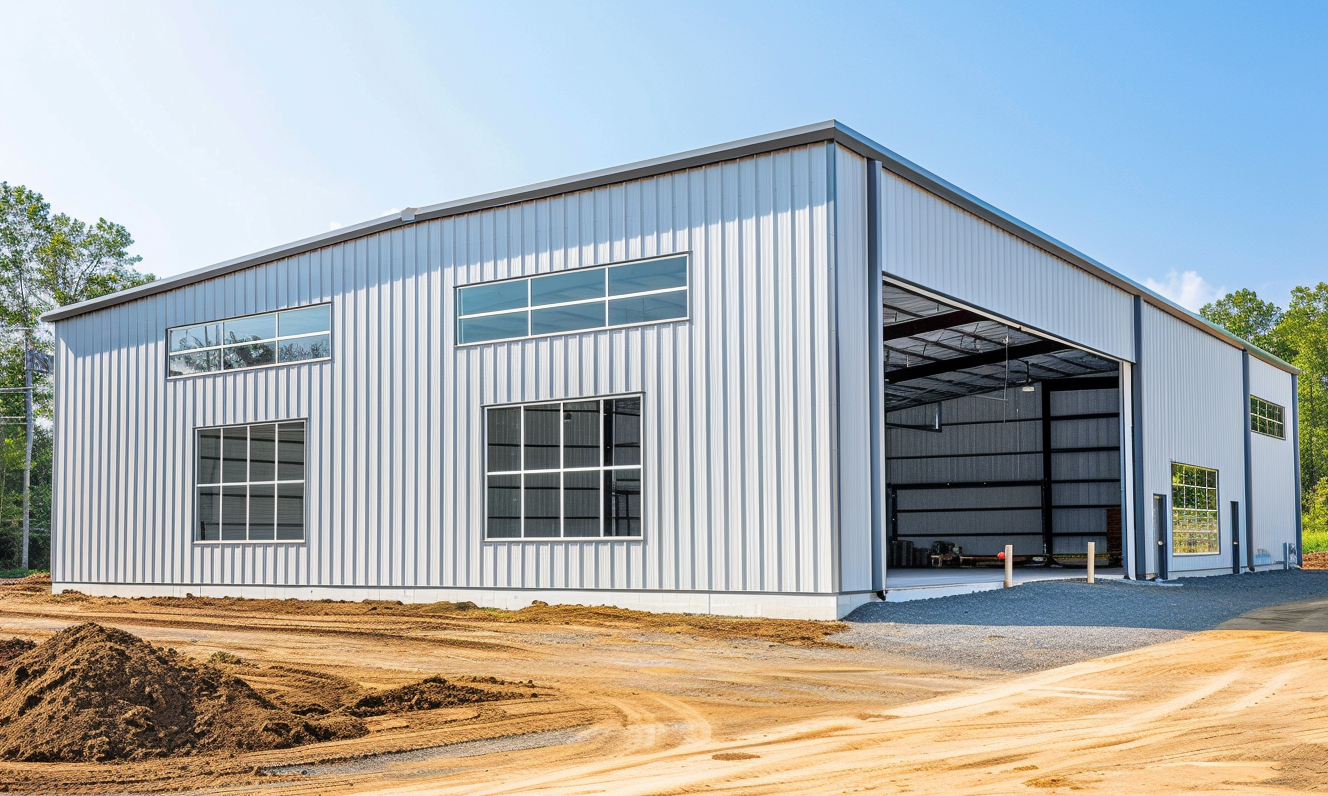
x=831 y=130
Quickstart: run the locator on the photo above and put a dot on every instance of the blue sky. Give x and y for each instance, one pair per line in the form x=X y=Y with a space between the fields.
x=1185 y=144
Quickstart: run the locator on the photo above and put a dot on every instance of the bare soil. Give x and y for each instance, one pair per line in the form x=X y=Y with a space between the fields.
x=1315 y=561
x=91 y=693
x=637 y=704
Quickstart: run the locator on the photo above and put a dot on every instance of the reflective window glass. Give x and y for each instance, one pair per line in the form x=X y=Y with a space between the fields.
x=548 y=474
x=648 y=309
x=649 y=291
x=493 y=297
x=504 y=507
x=254 y=327
x=504 y=440
x=649 y=275
x=542 y=437
x=252 y=355
x=201 y=336
x=305 y=320
x=290 y=512
x=295 y=335
x=234 y=513
x=622 y=502
x=581 y=503
x=261 y=497
x=193 y=362
x=543 y=495
x=493 y=327
x=622 y=431
x=209 y=513
x=290 y=452
x=581 y=434
x=568 y=318
x=318 y=346
x=209 y=456
x=575 y=285
x=262 y=512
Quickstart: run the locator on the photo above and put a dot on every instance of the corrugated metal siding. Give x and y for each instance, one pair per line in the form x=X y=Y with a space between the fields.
x=1274 y=465
x=931 y=242
x=738 y=428
x=853 y=340
x=1193 y=413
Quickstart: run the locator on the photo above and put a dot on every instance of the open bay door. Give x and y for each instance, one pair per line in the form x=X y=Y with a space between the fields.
x=995 y=435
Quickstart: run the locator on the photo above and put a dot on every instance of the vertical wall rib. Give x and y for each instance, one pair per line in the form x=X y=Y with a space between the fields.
x=739 y=489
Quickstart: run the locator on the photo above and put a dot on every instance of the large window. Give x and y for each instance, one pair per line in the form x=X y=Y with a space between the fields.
x=250 y=482
x=1193 y=509
x=254 y=341
x=568 y=470
x=582 y=299
x=1266 y=418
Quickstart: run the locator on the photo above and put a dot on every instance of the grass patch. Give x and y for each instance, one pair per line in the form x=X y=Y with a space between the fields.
x=1315 y=541
x=19 y=572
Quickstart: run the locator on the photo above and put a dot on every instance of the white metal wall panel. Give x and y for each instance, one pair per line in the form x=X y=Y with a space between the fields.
x=738 y=434
x=935 y=244
x=853 y=341
x=1193 y=413
x=1274 y=498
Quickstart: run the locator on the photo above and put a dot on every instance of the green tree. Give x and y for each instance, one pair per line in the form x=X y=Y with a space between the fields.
x=1250 y=318
x=46 y=261
x=1304 y=327
x=1316 y=517
x=1299 y=335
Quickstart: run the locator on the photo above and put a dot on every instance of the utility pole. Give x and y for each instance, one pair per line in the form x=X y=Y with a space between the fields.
x=27 y=454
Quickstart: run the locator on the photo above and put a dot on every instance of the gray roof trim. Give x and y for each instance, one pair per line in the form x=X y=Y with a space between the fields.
x=812 y=133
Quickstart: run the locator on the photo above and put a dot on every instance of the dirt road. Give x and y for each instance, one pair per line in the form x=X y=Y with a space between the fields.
x=638 y=710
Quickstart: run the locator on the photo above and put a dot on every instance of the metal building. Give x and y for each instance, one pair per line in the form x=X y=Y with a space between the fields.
x=764 y=378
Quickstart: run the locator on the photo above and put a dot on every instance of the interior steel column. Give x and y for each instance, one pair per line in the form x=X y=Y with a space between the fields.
x=1046 y=471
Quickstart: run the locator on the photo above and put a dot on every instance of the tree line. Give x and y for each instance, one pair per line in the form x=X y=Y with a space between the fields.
x=1298 y=334
x=47 y=260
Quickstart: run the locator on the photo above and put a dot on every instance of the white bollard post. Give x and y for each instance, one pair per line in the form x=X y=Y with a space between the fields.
x=1009 y=565
x=1092 y=559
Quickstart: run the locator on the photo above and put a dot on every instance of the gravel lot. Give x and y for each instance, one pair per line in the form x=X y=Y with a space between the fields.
x=1052 y=623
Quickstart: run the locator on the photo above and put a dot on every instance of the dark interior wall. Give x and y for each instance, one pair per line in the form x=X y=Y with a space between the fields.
x=987 y=479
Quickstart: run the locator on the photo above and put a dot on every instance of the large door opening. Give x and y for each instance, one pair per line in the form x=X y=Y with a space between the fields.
x=995 y=435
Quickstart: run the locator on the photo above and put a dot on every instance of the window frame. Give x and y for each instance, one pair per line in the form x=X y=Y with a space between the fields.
x=1279 y=422
x=275 y=341
x=561 y=471
x=606 y=298
x=1216 y=511
x=303 y=481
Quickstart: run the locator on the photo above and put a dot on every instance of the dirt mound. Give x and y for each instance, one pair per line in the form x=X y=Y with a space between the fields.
x=91 y=693
x=428 y=694
x=14 y=647
x=796 y=632
x=1315 y=561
